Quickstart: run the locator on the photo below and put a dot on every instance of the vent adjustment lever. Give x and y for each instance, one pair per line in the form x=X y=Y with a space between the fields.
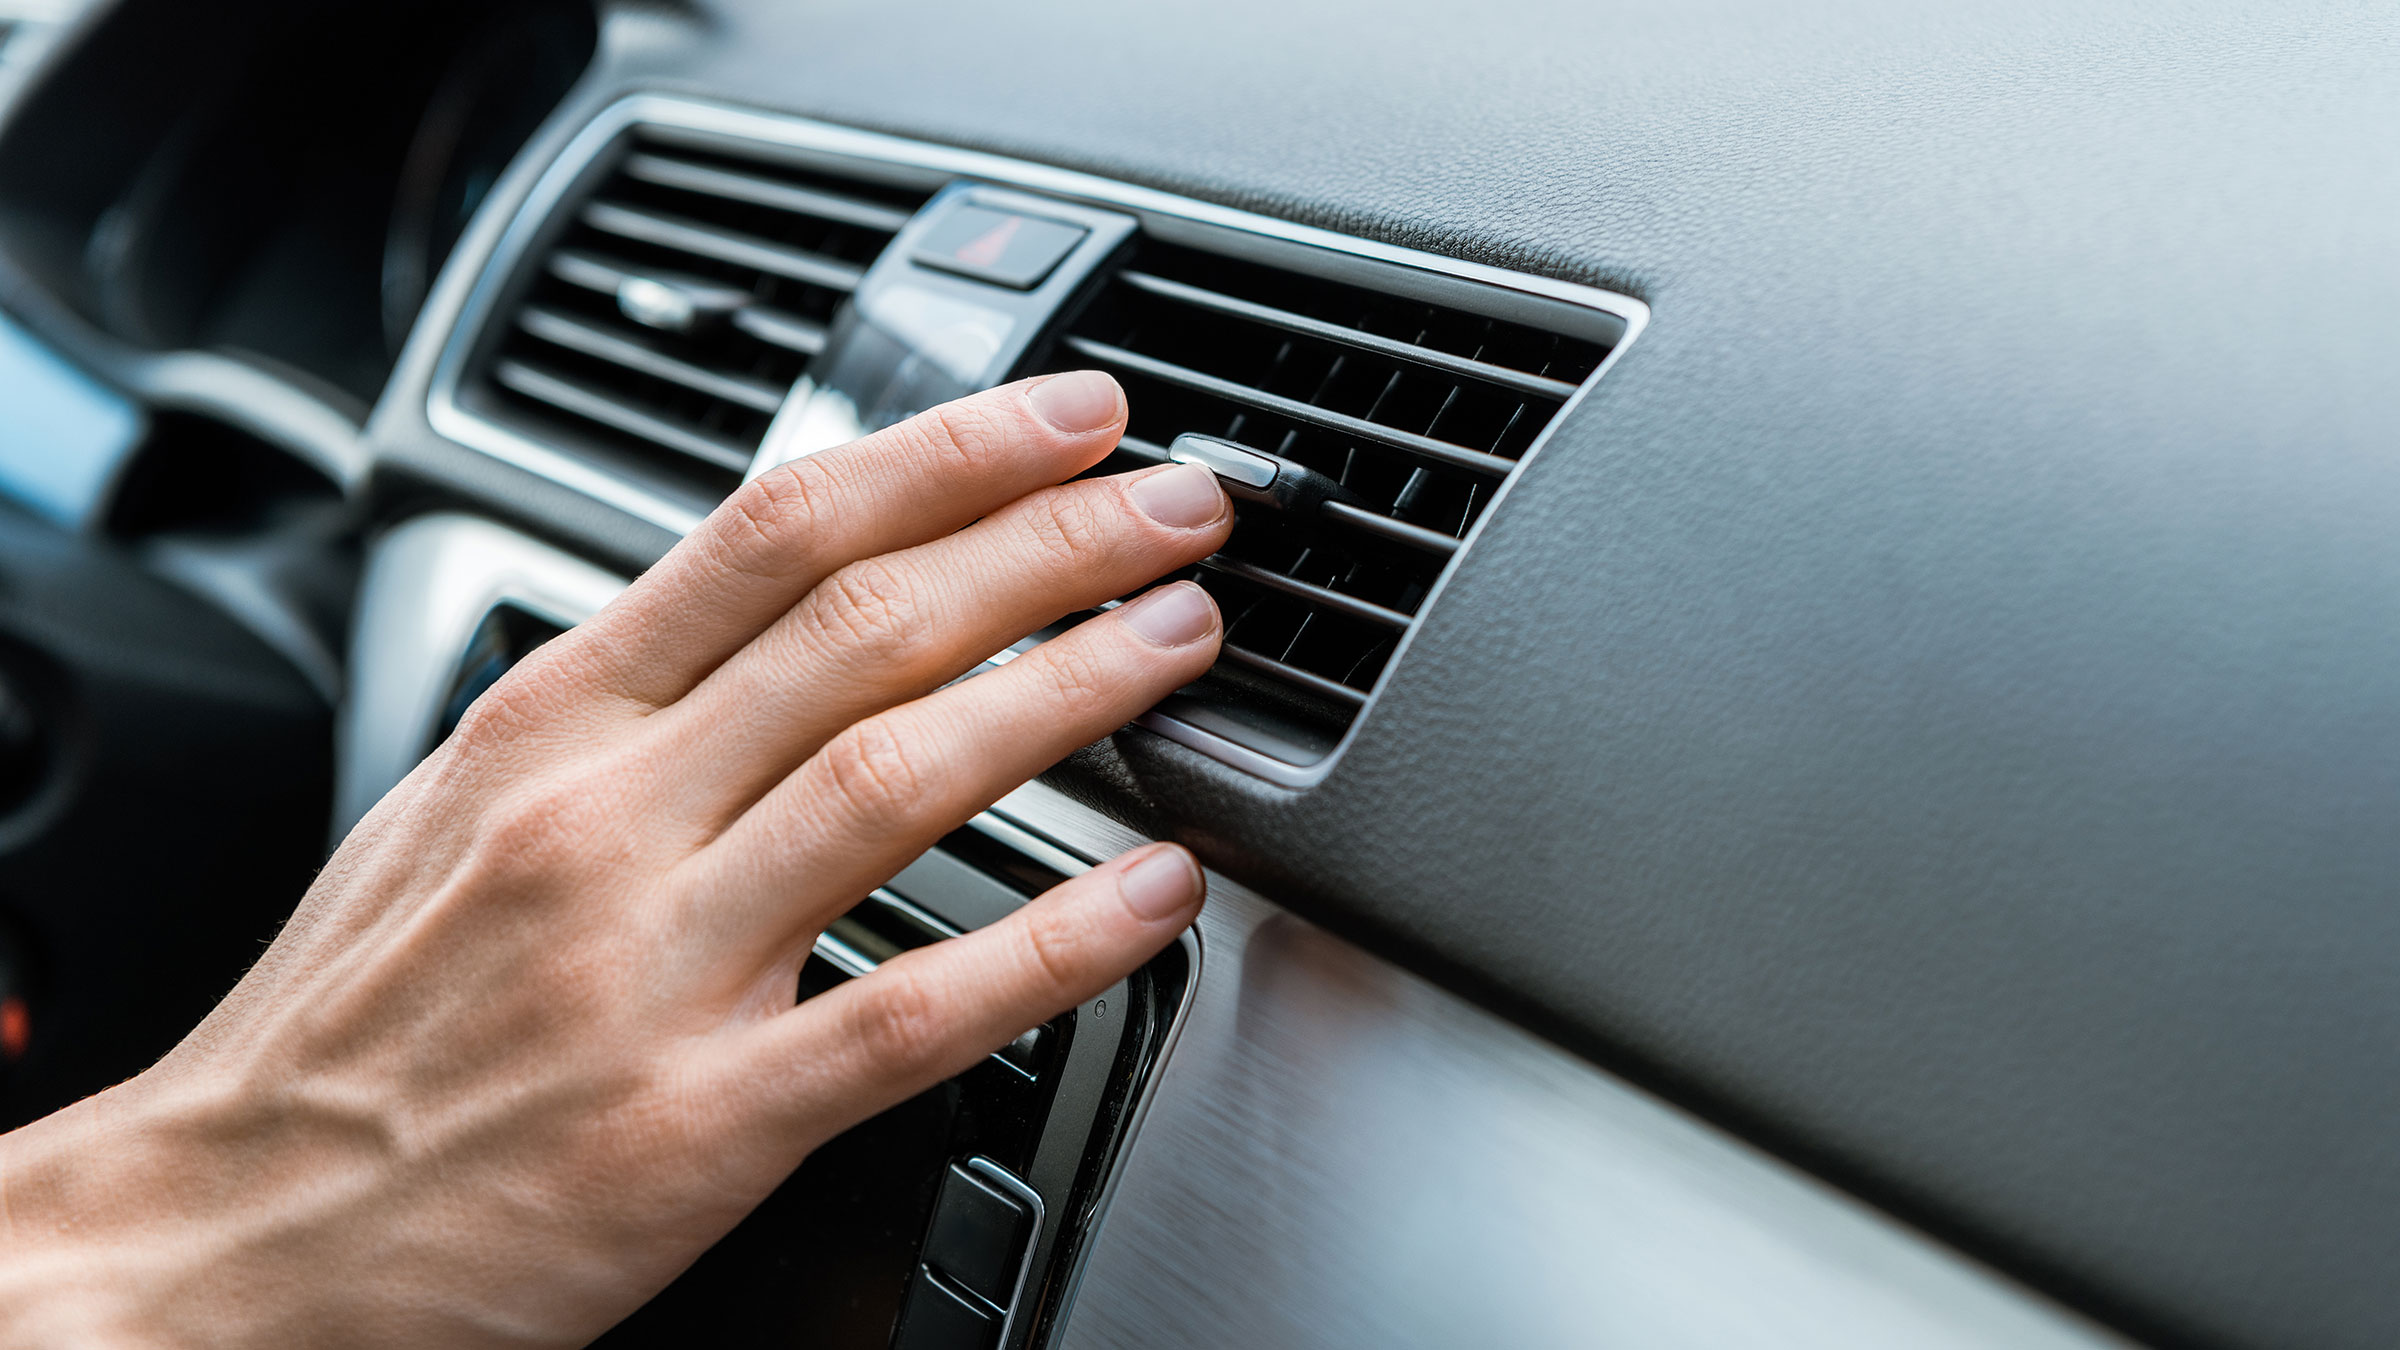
x=1257 y=476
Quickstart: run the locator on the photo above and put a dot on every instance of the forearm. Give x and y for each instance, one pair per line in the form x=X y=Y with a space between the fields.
x=193 y=1209
x=173 y=1211
x=81 y=1255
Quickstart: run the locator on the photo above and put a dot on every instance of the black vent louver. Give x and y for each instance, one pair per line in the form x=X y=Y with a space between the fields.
x=1416 y=404
x=661 y=330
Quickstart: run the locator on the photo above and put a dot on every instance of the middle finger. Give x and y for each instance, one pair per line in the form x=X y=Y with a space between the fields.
x=885 y=630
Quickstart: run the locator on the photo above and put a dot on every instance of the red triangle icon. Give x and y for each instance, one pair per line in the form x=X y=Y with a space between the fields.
x=986 y=248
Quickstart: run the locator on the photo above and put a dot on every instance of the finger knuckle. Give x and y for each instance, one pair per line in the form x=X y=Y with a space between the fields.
x=503 y=716
x=878 y=773
x=1069 y=524
x=1051 y=949
x=958 y=433
x=771 y=519
x=899 y=1024
x=871 y=606
x=1080 y=676
x=544 y=826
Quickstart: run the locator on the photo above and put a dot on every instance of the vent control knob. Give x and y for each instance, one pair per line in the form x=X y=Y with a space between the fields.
x=1254 y=475
x=672 y=307
x=1236 y=464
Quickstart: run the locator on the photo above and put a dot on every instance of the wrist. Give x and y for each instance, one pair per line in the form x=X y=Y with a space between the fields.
x=99 y=1244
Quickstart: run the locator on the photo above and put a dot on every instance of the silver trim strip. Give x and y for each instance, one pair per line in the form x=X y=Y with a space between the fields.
x=901 y=904
x=1036 y=847
x=711 y=119
x=844 y=957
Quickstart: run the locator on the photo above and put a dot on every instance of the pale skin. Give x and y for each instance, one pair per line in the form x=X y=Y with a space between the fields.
x=529 y=1046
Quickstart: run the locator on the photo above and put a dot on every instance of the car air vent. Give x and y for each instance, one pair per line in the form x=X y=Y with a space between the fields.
x=660 y=331
x=1388 y=407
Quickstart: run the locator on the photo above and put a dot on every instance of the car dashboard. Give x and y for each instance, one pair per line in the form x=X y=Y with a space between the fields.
x=1803 y=753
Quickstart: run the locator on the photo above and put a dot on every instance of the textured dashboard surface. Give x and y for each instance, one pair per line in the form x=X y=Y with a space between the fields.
x=1935 y=704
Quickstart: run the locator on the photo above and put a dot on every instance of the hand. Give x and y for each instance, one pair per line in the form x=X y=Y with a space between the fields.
x=529 y=1046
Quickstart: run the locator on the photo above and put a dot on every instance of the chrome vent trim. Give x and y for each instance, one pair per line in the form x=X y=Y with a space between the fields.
x=675 y=122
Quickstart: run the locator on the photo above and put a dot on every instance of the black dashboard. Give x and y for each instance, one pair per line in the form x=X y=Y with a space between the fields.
x=1927 y=708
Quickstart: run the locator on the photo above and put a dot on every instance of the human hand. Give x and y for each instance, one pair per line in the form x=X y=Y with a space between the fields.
x=529 y=1046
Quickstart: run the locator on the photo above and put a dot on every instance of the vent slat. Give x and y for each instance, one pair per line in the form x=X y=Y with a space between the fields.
x=1140 y=449
x=1340 y=513
x=788 y=331
x=759 y=319
x=1316 y=595
x=1306 y=679
x=742 y=187
x=1393 y=411
x=559 y=330
x=1442 y=452
x=683 y=297
x=1198 y=297
x=1396 y=531
x=728 y=246
x=567 y=396
x=581 y=269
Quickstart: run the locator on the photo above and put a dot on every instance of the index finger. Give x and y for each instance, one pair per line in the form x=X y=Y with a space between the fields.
x=782 y=533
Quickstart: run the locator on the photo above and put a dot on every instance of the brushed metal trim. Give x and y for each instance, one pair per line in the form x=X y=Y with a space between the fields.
x=737 y=124
x=1337 y=1153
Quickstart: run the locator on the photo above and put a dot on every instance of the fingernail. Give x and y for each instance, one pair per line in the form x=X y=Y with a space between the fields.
x=1079 y=401
x=1185 y=497
x=1172 y=615
x=1161 y=885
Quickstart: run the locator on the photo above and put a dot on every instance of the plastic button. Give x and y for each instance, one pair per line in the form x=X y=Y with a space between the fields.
x=1000 y=247
x=937 y=1318
x=1027 y=1054
x=978 y=1235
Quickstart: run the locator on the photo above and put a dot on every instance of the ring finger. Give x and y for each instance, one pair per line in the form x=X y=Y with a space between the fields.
x=887 y=787
x=885 y=630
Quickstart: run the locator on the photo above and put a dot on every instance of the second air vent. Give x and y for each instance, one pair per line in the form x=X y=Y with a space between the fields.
x=1394 y=403
x=677 y=303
